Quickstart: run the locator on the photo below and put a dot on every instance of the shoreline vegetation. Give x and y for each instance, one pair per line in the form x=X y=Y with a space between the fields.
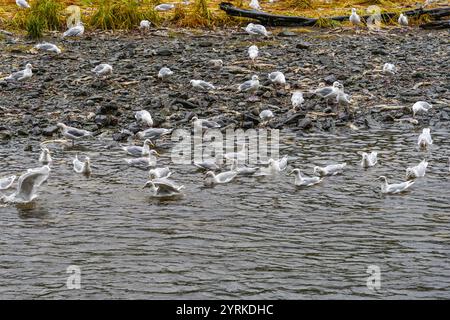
x=55 y=15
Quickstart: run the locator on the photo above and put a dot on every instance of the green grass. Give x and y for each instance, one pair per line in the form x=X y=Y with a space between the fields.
x=35 y=26
x=326 y=23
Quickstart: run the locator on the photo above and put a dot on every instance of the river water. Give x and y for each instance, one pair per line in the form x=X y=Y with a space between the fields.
x=250 y=239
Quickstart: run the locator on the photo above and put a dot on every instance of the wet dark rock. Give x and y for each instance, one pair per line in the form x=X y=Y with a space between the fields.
x=205 y=44
x=305 y=124
x=5 y=135
x=371 y=122
x=120 y=136
x=49 y=131
x=303 y=45
x=28 y=147
x=444 y=116
x=287 y=33
x=164 y=52
x=330 y=79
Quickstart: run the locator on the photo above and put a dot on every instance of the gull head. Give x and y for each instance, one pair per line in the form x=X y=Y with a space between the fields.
x=151 y=185
x=61 y=125
x=255 y=77
x=154 y=153
x=383 y=178
x=353 y=10
x=210 y=174
x=194 y=118
x=296 y=171
x=29 y=66
x=149 y=142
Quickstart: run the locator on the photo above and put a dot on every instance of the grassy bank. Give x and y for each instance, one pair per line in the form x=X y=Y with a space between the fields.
x=48 y=15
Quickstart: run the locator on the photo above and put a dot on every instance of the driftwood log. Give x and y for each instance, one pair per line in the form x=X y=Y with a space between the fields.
x=445 y=24
x=268 y=19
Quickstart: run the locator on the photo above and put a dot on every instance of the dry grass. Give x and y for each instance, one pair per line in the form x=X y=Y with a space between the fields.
x=126 y=14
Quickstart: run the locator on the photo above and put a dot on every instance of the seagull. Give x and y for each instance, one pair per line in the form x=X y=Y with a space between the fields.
x=275 y=167
x=146 y=162
x=144 y=117
x=216 y=63
x=138 y=151
x=144 y=24
x=163 y=188
x=256 y=29
x=253 y=52
x=250 y=85
x=421 y=106
x=389 y=69
x=159 y=173
x=202 y=85
x=21 y=75
x=402 y=20
x=332 y=92
x=82 y=167
x=22 y=3
x=6 y=183
x=243 y=171
x=254 y=4
x=28 y=185
x=394 y=188
x=164 y=73
x=153 y=133
x=354 y=17
x=75 y=31
x=204 y=124
x=207 y=165
x=44 y=157
x=266 y=115
x=224 y=177
x=343 y=98
x=416 y=171
x=277 y=77
x=369 y=160
x=424 y=139
x=73 y=133
x=297 y=99
x=330 y=170
x=164 y=7
x=236 y=155
x=102 y=69
x=304 y=181
x=50 y=47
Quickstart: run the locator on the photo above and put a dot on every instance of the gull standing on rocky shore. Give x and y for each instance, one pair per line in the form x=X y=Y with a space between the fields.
x=76 y=31
x=256 y=29
x=421 y=106
x=50 y=47
x=73 y=133
x=21 y=75
x=102 y=69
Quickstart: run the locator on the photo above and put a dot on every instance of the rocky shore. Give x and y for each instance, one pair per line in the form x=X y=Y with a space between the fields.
x=63 y=88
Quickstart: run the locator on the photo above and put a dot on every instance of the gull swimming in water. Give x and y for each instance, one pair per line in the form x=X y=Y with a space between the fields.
x=44 y=157
x=297 y=99
x=28 y=185
x=253 y=52
x=138 y=151
x=204 y=124
x=22 y=3
x=330 y=170
x=73 y=133
x=144 y=117
x=417 y=171
x=158 y=173
x=207 y=165
x=102 y=69
x=6 y=183
x=254 y=4
x=250 y=85
x=277 y=77
x=153 y=133
x=21 y=75
x=301 y=181
x=389 y=69
x=76 y=31
x=163 y=188
x=275 y=167
x=83 y=167
x=202 y=85
x=369 y=159
x=164 y=73
x=256 y=29
x=395 y=187
x=402 y=20
x=50 y=47
x=224 y=177
x=421 y=106
x=244 y=170
x=144 y=24
x=354 y=18
x=164 y=7
x=424 y=139
x=145 y=162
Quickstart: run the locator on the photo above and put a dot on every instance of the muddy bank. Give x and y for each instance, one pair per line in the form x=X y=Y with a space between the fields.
x=63 y=88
